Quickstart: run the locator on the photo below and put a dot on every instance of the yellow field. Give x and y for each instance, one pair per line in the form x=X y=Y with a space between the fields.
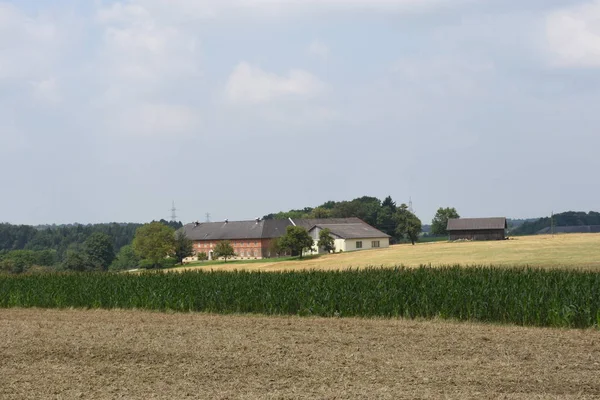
x=580 y=251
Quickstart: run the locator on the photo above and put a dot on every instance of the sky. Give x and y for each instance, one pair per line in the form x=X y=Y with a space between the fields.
x=111 y=110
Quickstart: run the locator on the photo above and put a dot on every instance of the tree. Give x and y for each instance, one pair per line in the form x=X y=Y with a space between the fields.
x=275 y=247
x=154 y=242
x=183 y=246
x=440 y=221
x=224 y=250
x=388 y=202
x=320 y=213
x=408 y=225
x=98 y=249
x=326 y=241
x=76 y=260
x=126 y=259
x=296 y=240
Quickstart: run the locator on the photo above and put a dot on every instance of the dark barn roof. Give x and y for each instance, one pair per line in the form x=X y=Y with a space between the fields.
x=476 y=224
x=360 y=230
x=346 y=228
x=225 y=230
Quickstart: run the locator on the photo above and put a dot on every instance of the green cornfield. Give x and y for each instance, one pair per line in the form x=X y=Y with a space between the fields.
x=557 y=298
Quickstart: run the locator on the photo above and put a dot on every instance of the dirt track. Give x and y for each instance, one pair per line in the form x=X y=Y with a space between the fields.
x=141 y=355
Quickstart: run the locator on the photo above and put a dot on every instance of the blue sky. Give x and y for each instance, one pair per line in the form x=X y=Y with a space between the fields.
x=109 y=110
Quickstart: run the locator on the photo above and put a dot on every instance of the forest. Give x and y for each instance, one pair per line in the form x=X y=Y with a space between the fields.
x=22 y=246
x=569 y=218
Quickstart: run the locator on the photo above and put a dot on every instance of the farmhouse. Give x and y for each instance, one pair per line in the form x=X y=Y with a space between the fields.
x=253 y=239
x=477 y=228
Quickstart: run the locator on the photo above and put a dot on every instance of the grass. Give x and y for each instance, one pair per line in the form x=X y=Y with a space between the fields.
x=537 y=297
x=234 y=263
x=577 y=251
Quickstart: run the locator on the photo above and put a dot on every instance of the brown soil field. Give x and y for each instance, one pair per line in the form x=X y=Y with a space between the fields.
x=52 y=354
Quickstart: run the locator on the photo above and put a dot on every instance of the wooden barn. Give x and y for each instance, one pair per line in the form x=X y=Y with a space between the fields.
x=477 y=228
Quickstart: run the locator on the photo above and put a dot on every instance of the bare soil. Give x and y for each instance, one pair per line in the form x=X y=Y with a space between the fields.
x=52 y=354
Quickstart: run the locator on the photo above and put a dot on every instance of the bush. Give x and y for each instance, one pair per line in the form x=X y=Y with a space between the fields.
x=202 y=256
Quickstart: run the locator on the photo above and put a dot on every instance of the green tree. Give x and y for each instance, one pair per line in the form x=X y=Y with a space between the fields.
x=184 y=247
x=77 y=260
x=126 y=259
x=439 y=223
x=320 y=213
x=296 y=240
x=326 y=241
x=98 y=249
x=275 y=247
x=408 y=225
x=224 y=249
x=154 y=242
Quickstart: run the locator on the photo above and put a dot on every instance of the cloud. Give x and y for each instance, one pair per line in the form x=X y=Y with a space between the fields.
x=318 y=49
x=155 y=120
x=249 y=84
x=573 y=36
x=29 y=44
x=189 y=10
x=47 y=91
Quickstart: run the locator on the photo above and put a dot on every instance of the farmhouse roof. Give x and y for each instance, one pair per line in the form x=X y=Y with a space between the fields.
x=309 y=223
x=358 y=230
x=476 y=224
x=224 y=230
x=345 y=228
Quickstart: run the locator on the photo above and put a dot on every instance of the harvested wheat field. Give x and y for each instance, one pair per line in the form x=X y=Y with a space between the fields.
x=577 y=251
x=144 y=355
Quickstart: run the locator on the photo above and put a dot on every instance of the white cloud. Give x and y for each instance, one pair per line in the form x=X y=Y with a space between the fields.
x=155 y=120
x=28 y=45
x=47 y=91
x=573 y=36
x=318 y=49
x=188 y=10
x=249 y=84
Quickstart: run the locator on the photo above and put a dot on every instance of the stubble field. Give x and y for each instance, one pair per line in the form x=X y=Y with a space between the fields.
x=576 y=251
x=51 y=354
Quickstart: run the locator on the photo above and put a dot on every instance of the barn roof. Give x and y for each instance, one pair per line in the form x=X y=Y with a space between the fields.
x=476 y=224
x=358 y=230
x=224 y=230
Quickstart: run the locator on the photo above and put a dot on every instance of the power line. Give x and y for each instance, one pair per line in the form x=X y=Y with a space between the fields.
x=207 y=217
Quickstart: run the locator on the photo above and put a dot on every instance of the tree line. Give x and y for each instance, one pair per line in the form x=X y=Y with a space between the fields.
x=69 y=247
x=569 y=218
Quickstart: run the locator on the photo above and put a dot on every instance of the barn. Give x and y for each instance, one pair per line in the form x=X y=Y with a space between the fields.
x=477 y=228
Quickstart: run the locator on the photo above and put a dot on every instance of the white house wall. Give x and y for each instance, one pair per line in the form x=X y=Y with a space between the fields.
x=350 y=245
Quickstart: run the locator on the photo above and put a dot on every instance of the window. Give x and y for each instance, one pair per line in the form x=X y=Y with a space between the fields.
x=359 y=245
x=375 y=243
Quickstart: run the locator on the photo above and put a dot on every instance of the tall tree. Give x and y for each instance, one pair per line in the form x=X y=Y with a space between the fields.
x=184 y=247
x=326 y=241
x=408 y=225
x=98 y=248
x=439 y=224
x=126 y=259
x=388 y=202
x=296 y=239
x=154 y=242
x=224 y=249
